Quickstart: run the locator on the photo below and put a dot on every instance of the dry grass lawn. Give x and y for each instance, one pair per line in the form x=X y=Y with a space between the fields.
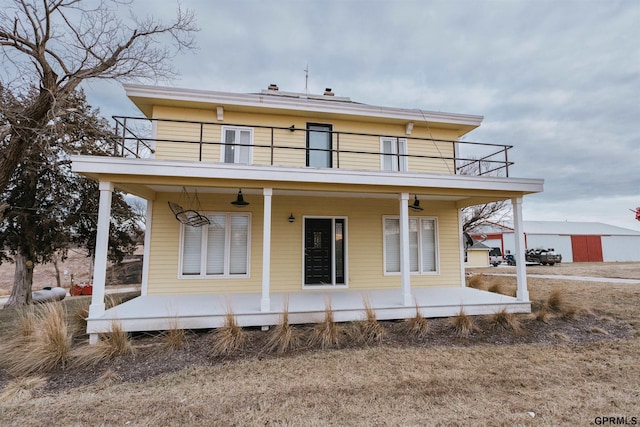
x=524 y=384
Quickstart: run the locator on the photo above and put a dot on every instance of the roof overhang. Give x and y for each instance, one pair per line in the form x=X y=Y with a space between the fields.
x=145 y=97
x=145 y=177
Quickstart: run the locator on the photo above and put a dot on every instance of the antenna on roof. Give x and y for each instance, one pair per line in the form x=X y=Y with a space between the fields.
x=306 y=80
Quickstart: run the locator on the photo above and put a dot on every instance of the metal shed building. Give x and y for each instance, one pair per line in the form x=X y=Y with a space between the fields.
x=576 y=241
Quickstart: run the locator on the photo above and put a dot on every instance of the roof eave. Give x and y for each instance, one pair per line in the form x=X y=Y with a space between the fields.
x=144 y=97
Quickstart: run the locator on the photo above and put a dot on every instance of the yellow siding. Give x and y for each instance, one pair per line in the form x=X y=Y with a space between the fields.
x=164 y=250
x=282 y=147
x=364 y=240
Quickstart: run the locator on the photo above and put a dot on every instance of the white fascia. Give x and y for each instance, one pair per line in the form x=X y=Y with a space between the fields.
x=170 y=168
x=300 y=104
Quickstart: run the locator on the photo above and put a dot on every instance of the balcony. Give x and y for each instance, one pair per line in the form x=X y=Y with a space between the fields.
x=291 y=146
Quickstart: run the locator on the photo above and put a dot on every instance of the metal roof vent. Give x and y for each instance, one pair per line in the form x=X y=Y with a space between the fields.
x=273 y=87
x=327 y=92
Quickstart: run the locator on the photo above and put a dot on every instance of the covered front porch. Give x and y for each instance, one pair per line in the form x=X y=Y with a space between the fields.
x=204 y=311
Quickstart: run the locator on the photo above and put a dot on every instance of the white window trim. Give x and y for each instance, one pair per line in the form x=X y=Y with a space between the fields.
x=223 y=144
x=404 y=163
x=436 y=239
x=203 y=252
x=345 y=249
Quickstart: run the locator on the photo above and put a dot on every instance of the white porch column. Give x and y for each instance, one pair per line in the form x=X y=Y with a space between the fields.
x=102 y=246
x=265 y=303
x=463 y=273
x=522 y=293
x=147 y=248
x=405 y=265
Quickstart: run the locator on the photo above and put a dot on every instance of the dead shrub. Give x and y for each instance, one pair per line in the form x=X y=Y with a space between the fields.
x=284 y=337
x=22 y=389
x=46 y=346
x=598 y=330
x=418 y=325
x=462 y=324
x=326 y=334
x=476 y=282
x=503 y=320
x=229 y=338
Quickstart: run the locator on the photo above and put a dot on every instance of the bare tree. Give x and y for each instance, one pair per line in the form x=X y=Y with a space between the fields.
x=495 y=211
x=61 y=43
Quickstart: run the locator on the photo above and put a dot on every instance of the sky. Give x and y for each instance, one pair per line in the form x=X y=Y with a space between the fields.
x=559 y=80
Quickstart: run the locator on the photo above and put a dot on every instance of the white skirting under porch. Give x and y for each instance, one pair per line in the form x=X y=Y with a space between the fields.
x=204 y=311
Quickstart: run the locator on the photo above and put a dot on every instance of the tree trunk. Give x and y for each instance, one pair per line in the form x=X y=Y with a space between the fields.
x=55 y=265
x=22 y=282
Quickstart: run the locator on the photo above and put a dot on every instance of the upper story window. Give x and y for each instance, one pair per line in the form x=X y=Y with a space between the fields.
x=394 y=154
x=319 y=145
x=236 y=145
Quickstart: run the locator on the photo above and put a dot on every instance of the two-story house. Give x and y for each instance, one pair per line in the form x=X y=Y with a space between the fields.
x=257 y=199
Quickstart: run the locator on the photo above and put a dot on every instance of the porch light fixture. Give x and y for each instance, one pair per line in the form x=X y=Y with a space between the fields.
x=239 y=202
x=416 y=205
x=292 y=218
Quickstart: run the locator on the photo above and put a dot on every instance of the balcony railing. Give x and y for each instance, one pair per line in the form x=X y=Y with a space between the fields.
x=288 y=146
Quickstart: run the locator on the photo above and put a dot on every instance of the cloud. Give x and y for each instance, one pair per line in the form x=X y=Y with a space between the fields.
x=560 y=81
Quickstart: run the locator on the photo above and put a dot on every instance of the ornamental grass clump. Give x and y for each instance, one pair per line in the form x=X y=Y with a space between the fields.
x=462 y=324
x=542 y=314
x=370 y=329
x=22 y=389
x=229 y=338
x=326 y=334
x=556 y=301
x=503 y=320
x=284 y=337
x=110 y=345
x=476 y=282
x=496 y=288
x=42 y=341
x=174 y=337
x=418 y=326
x=78 y=317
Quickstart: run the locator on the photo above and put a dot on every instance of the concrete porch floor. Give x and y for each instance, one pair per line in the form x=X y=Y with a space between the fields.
x=204 y=311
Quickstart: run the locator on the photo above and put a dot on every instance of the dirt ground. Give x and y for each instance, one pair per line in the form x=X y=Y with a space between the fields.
x=616 y=270
x=564 y=371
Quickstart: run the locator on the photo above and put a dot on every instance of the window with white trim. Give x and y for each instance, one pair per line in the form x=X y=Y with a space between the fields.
x=423 y=245
x=236 y=145
x=220 y=249
x=394 y=151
